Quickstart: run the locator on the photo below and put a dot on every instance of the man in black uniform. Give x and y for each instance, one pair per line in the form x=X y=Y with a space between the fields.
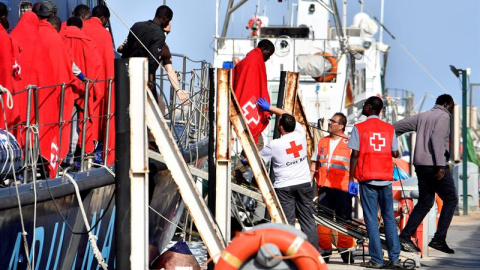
x=151 y=33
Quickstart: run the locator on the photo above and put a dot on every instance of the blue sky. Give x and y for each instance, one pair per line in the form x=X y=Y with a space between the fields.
x=438 y=33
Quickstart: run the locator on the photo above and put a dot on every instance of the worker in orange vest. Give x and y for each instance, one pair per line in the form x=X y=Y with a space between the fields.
x=331 y=171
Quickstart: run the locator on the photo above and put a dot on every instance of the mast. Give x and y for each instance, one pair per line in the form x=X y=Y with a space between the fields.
x=345 y=17
x=382 y=7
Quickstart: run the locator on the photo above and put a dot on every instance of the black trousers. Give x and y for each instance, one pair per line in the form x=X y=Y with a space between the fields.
x=297 y=203
x=428 y=185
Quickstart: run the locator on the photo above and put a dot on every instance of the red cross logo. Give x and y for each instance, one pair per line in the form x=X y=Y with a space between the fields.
x=250 y=111
x=377 y=142
x=54 y=153
x=294 y=149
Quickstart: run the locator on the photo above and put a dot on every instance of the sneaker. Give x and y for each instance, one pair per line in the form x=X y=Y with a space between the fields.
x=347 y=257
x=408 y=246
x=393 y=265
x=371 y=264
x=441 y=245
x=326 y=256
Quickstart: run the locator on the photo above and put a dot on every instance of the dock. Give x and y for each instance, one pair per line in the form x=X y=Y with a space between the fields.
x=463 y=236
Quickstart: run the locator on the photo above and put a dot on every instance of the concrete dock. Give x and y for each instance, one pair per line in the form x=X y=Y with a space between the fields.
x=463 y=236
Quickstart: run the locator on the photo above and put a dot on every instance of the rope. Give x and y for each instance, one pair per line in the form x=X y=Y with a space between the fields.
x=9 y=97
x=34 y=180
x=91 y=237
x=166 y=219
x=105 y=167
x=30 y=265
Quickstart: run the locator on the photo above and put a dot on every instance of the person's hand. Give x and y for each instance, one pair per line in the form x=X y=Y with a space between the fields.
x=263 y=104
x=183 y=96
x=151 y=86
x=439 y=172
x=353 y=188
x=121 y=47
x=87 y=79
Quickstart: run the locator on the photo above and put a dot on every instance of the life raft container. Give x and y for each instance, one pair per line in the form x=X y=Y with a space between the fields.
x=246 y=245
x=333 y=71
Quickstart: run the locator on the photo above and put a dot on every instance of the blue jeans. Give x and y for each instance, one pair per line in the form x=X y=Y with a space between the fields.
x=371 y=196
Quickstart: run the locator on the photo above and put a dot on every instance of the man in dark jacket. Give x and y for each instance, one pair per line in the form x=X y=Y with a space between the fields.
x=430 y=160
x=152 y=35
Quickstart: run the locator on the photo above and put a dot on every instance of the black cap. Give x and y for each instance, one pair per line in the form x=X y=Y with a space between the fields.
x=47 y=8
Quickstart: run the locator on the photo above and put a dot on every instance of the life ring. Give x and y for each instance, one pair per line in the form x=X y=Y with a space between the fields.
x=246 y=245
x=333 y=71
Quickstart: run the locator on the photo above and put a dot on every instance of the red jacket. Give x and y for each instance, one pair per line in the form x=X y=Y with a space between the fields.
x=337 y=175
x=375 y=154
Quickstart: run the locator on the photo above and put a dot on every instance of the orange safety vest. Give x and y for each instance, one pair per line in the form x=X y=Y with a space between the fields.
x=375 y=154
x=335 y=176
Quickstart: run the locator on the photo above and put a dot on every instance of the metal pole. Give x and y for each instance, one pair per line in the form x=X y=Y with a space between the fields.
x=212 y=171
x=27 y=133
x=471 y=104
x=122 y=164
x=36 y=106
x=84 y=124
x=137 y=69
x=464 y=143
x=184 y=71
x=107 y=125
x=60 y=128
x=280 y=101
x=223 y=158
x=212 y=181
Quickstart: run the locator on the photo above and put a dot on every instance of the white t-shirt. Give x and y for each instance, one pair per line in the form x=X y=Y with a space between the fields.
x=289 y=158
x=332 y=146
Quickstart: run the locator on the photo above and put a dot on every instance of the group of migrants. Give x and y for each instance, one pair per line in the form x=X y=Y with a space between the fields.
x=62 y=61
x=343 y=167
x=65 y=62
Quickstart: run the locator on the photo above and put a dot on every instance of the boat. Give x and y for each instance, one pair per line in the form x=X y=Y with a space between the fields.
x=66 y=219
x=340 y=66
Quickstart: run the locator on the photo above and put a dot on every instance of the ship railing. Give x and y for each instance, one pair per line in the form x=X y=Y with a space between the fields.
x=28 y=126
x=193 y=113
x=31 y=122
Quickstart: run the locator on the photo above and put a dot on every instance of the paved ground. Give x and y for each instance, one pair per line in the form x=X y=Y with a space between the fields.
x=463 y=237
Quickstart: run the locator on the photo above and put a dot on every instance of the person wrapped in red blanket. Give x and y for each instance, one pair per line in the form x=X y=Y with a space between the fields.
x=250 y=83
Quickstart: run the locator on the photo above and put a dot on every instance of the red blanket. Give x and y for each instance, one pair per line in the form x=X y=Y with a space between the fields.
x=94 y=29
x=7 y=60
x=85 y=55
x=249 y=84
x=50 y=109
x=36 y=70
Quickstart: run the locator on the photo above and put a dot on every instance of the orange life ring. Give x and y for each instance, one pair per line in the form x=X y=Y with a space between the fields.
x=333 y=72
x=246 y=245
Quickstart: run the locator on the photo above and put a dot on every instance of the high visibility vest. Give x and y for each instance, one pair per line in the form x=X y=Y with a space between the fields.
x=375 y=154
x=335 y=176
